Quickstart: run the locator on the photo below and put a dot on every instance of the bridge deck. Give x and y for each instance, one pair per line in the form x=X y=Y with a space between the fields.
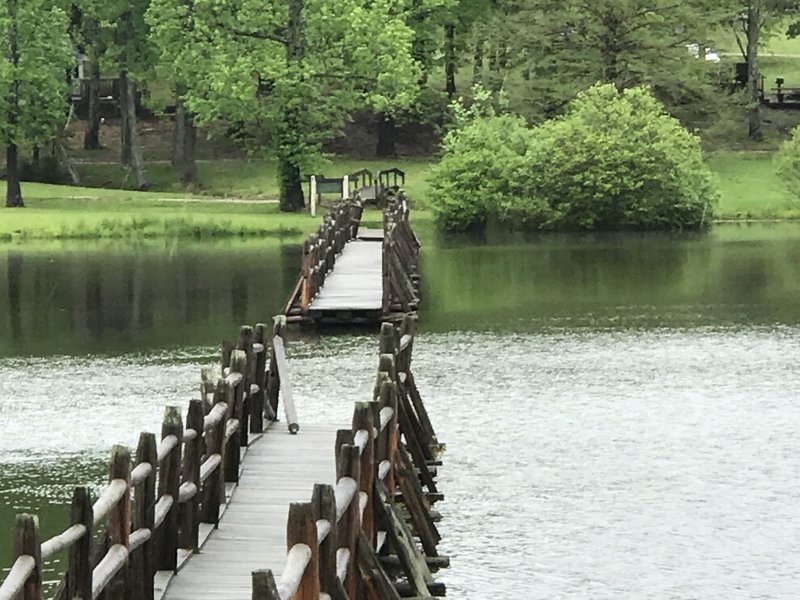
x=279 y=469
x=356 y=282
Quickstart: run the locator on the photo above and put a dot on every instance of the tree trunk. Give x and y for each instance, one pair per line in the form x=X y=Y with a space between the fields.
x=125 y=153
x=179 y=132
x=135 y=147
x=753 y=73
x=13 y=189
x=292 y=198
x=291 y=136
x=450 y=60
x=91 y=139
x=477 y=62
x=188 y=164
x=387 y=137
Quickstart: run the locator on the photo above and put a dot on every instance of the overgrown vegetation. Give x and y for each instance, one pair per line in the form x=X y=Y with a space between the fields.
x=614 y=161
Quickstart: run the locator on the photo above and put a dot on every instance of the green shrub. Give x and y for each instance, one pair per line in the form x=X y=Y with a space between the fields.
x=614 y=161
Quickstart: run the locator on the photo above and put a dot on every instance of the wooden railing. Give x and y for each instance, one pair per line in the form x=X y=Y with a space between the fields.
x=158 y=504
x=401 y=279
x=320 y=250
x=338 y=544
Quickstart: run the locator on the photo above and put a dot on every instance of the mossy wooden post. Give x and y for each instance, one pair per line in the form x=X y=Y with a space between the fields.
x=28 y=542
x=239 y=365
x=364 y=419
x=143 y=517
x=118 y=525
x=78 y=579
x=169 y=482
x=301 y=529
x=348 y=465
x=264 y=587
x=189 y=517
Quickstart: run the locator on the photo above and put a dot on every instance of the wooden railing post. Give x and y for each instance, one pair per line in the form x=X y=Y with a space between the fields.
x=273 y=378
x=348 y=465
x=169 y=482
x=301 y=529
x=78 y=579
x=144 y=499
x=214 y=488
x=189 y=518
x=323 y=502
x=27 y=541
x=364 y=419
x=257 y=400
x=118 y=526
x=239 y=365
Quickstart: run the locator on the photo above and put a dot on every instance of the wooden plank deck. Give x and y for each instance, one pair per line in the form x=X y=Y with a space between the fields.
x=278 y=469
x=356 y=282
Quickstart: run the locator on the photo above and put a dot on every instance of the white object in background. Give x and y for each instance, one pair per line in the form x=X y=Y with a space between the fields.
x=313 y=193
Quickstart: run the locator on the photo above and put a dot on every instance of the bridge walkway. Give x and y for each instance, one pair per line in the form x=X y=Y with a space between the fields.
x=356 y=282
x=280 y=469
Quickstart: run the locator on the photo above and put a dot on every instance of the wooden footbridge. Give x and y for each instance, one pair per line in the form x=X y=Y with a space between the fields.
x=232 y=505
x=352 y=275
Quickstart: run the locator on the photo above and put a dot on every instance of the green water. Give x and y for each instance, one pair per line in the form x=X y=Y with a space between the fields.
x=646 y=331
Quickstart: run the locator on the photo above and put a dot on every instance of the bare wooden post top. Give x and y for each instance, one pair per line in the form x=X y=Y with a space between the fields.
x=264 y=585
x=27 y=542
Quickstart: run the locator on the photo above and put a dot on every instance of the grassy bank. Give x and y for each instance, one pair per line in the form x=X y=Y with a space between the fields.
x=58 y=212
x=749 y=190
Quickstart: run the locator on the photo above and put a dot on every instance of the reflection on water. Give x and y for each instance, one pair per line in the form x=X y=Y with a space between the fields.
x=88 y=298
x=619 y=412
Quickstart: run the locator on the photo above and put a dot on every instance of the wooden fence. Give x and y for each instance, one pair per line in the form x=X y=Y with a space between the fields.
x=401 y=277
x=159 y=503
x=353 y=540
x=320 y=250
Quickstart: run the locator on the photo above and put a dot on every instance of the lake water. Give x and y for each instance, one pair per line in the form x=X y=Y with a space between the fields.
x=620 y=412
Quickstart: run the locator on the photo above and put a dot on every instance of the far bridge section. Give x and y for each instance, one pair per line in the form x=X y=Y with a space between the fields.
x=355 y=275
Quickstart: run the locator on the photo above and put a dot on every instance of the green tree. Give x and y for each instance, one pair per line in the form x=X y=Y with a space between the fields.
x=286 y=74
x=753 y=21
x=614 y=161
x=552 y=49
x=33 y=75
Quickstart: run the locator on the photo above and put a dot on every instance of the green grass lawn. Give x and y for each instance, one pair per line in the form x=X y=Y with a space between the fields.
x=749 y=190
x=246 y=179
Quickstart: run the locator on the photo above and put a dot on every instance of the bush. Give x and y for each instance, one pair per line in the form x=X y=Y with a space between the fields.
x=614 y=161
